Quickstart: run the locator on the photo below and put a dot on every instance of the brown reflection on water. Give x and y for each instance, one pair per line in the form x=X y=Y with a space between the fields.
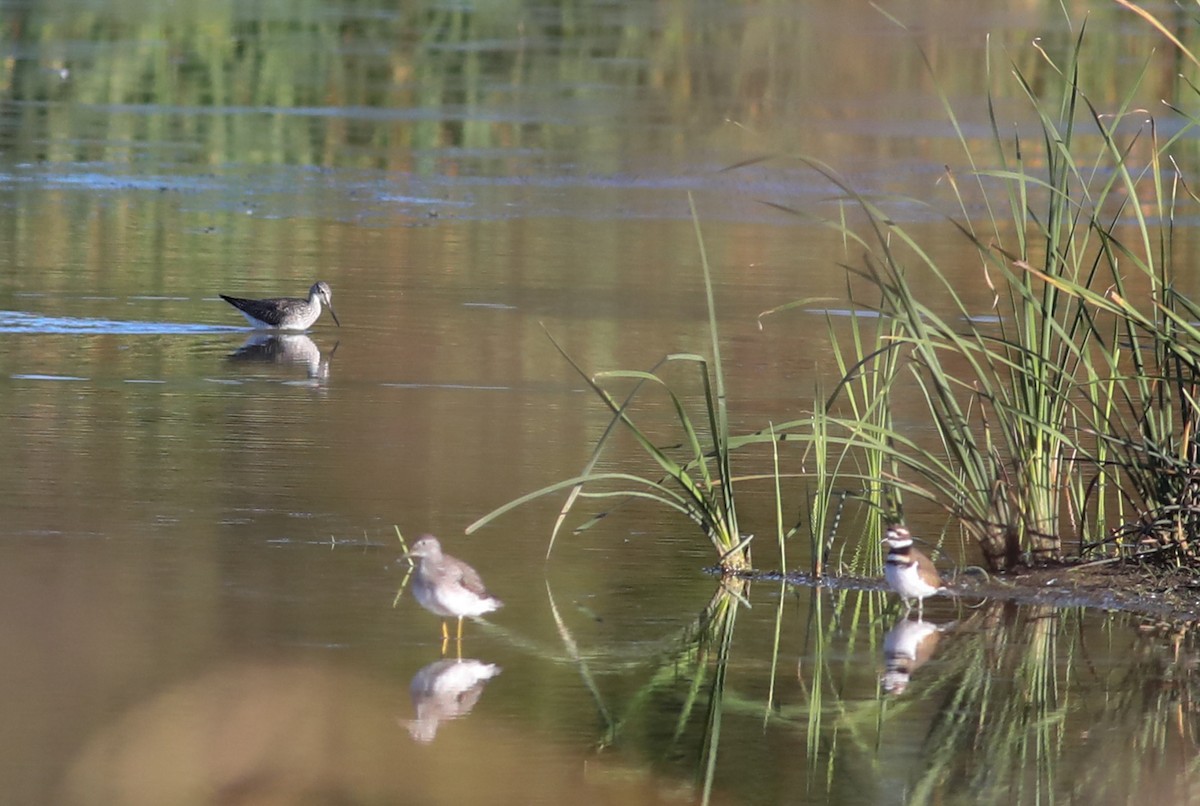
x=292 y=733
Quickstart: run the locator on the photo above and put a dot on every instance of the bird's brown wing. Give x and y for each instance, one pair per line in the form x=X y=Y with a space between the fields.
x=469 y=579
x=927 y=568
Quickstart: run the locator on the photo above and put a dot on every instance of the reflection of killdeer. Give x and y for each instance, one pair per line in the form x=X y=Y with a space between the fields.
x=909 y=572
x=906 y=647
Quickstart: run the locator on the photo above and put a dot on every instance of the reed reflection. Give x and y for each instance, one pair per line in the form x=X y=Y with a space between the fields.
x=445 y=690
x=908 y=645
x=286 y=349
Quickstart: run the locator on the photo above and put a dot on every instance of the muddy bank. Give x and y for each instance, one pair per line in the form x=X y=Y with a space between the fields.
x=1167 y=594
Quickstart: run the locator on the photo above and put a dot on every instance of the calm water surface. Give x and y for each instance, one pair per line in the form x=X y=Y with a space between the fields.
x=198 y=560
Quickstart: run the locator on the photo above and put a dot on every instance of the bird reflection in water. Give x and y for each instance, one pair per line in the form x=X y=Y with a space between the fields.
x=286 y=349
x=443 y=690
x=906 y=647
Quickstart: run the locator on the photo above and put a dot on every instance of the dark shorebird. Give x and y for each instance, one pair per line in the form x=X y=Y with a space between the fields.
x=286 y=313
x=448 y=587
x=908 y=571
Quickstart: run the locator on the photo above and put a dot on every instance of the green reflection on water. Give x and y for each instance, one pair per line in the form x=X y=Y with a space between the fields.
x=259 y=84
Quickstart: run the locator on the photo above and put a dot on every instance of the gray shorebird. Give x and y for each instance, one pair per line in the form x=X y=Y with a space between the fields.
x=286 y=313
x=447 y=586
x=908 y=571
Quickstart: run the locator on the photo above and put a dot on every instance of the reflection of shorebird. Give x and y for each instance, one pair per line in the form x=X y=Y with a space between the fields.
x=448 y=587
x=446 y=689
x=286 y=313
x=906 y=647
x=908 y=571
x=285 y=348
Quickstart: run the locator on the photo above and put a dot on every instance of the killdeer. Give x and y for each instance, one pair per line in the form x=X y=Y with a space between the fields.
x=908 y=571
x=447 y=586
x=286 y=313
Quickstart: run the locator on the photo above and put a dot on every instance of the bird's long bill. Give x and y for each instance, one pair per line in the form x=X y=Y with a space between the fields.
x=333 y=313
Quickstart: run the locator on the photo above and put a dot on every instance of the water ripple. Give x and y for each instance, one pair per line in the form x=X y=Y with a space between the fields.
x=23 y=322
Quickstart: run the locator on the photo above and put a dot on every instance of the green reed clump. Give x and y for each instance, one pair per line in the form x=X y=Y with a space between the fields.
x=1068 y=405
x=1066 y=400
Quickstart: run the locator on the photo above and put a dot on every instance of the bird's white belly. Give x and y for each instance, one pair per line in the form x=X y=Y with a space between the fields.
x=907 y=582
x=451 y=601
